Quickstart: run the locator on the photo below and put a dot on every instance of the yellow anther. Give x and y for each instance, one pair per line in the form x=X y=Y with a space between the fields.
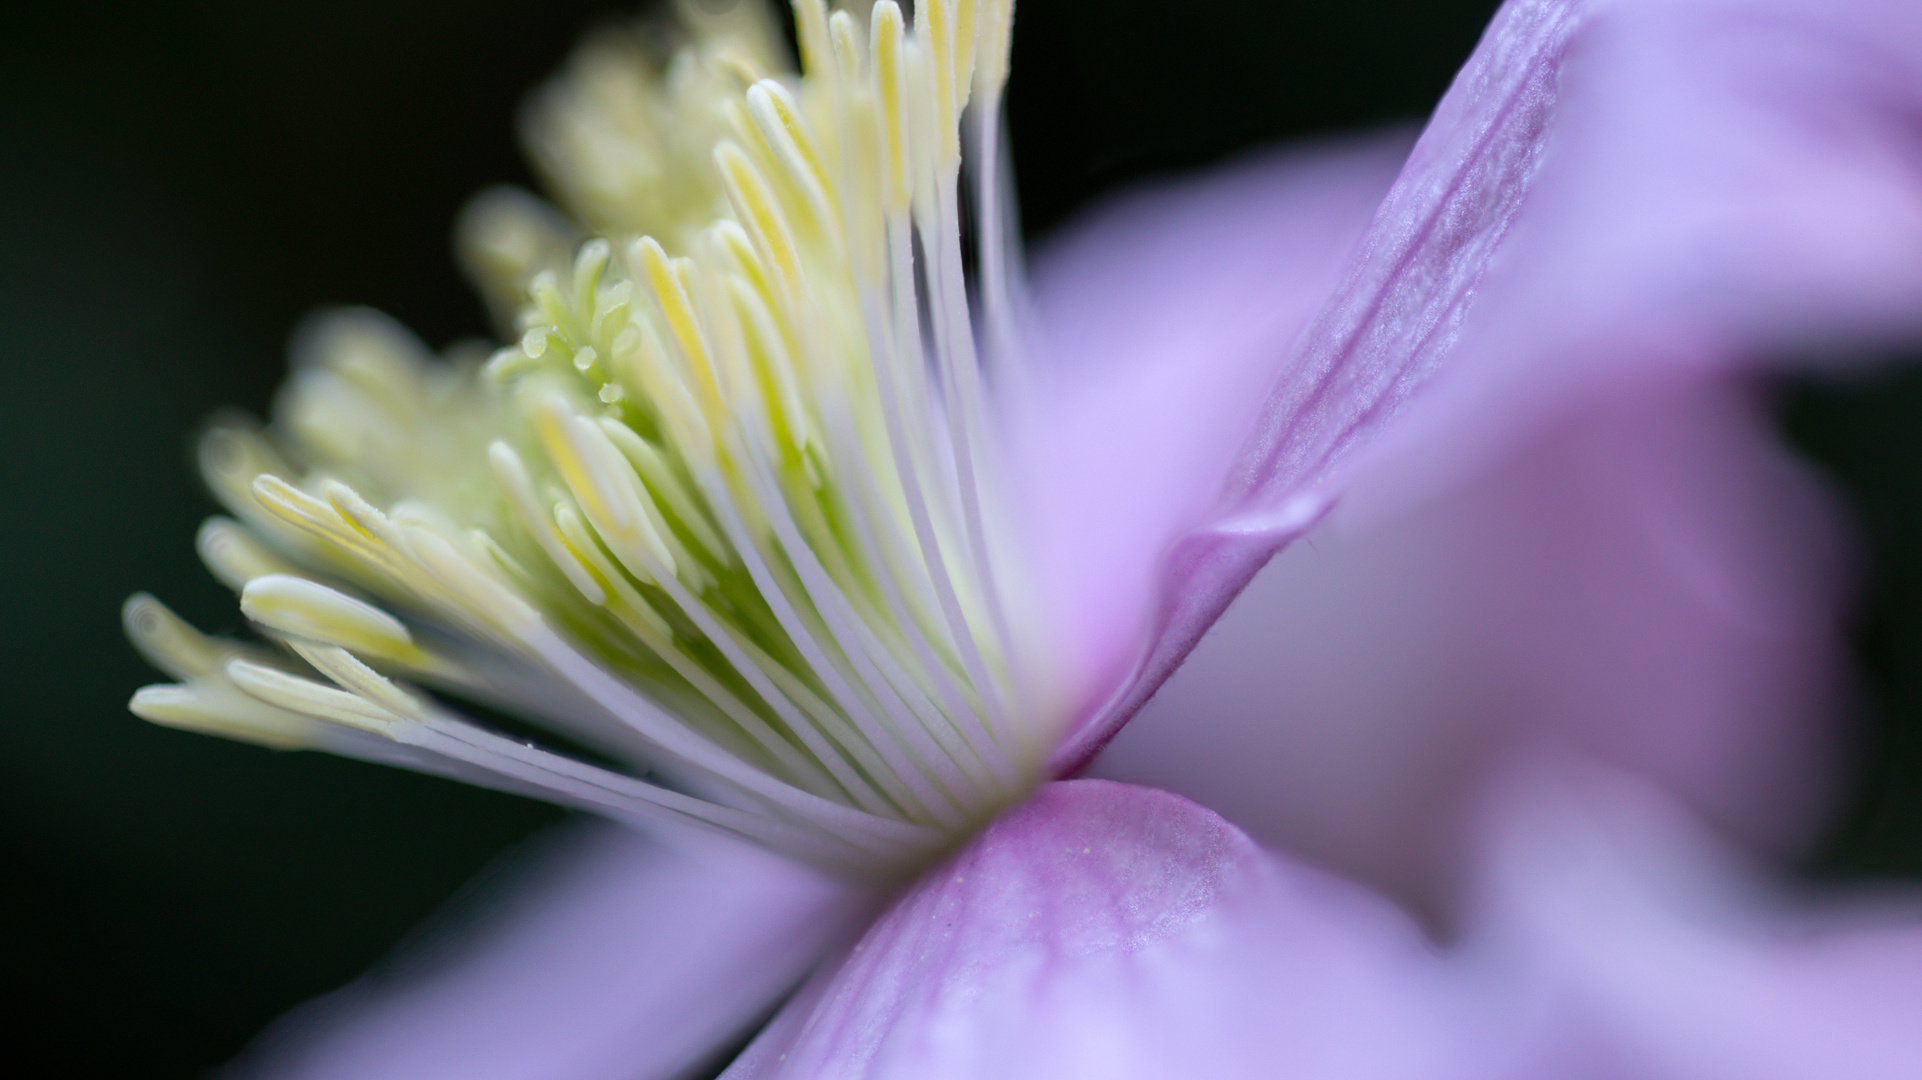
x=811 y=34
x=734 y=244
x=480 y=595
x=777 y=118
x=168 y=642
x=232 y=554
x=683 y=322
x=940 y=36
x=554 y=422
x=315 y=517
x=606 y=488
x=309 y=698
x=664 y=383
x=844 y=36
x=359 y=514
x=773 y=368
x=308 y=609
x=519 y=488
x=966 y=43
x=231 y=456
x=352 y=675
x=887 y=31
x=736 y=65
x=223 y=712
x=748 y=191
x=991 y=55
x=659 y=477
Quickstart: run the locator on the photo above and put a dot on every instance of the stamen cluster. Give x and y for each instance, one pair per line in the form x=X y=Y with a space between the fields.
x=725 y=513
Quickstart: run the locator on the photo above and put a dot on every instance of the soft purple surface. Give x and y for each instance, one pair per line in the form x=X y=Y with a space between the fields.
x=1388 y=324
x=1656 y=582
x=1159 y=319
x=1103 y=930
x=616 y=956
x=1618 y=942
x=1613 y=193
x=1726 y=184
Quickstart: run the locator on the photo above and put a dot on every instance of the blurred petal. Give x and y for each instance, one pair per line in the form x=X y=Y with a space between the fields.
x=619 y=957
x=1723 y=182
x=1386 y=326
x=1107 y=931
x=1656 y=582
x=1161 y=317
x=1742 y=171
x=1613 y=191
x=1629 y=946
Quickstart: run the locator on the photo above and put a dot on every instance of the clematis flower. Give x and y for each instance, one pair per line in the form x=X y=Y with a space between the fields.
x=817 y=569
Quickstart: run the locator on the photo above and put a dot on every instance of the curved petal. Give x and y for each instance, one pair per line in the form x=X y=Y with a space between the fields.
x=1657 y=582
x=1612 y=191
x=618 y=957
x=1628 y=946
x=1388 y=324
x=1110 y=931
x=1159 y=318
x=1724 y=182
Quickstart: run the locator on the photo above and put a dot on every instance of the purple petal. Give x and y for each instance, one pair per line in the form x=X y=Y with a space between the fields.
x=1627 y=945
x=1385 y=327
x=1160 y=318
x=1656 y=582
x=1103 y=930
x=620 y=957
x=1723 y=183
x=1612 y=192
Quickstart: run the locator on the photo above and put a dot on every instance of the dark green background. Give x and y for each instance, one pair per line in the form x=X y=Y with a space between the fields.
x=180 y=182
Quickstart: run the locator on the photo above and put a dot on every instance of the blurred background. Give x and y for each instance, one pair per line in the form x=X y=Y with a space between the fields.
x=180 y=182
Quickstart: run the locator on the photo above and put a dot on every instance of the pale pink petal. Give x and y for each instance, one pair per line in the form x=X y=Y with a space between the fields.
x=1160 y=317
x=1656 y=582
x=1107 y=931
x=1627 y=945
x=1385 y=328
x=1723 y=183
x=1613 y=191
x=618 y=957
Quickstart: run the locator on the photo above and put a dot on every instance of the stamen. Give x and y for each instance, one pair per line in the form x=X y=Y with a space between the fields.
x=234 y=556
x=725 y=510
x=168 y=643
x=307 y=609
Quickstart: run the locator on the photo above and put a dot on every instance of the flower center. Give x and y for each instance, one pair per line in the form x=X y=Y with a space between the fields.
x=725 y=514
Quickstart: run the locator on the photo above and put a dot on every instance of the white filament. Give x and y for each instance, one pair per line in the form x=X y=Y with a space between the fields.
x=726 y=511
